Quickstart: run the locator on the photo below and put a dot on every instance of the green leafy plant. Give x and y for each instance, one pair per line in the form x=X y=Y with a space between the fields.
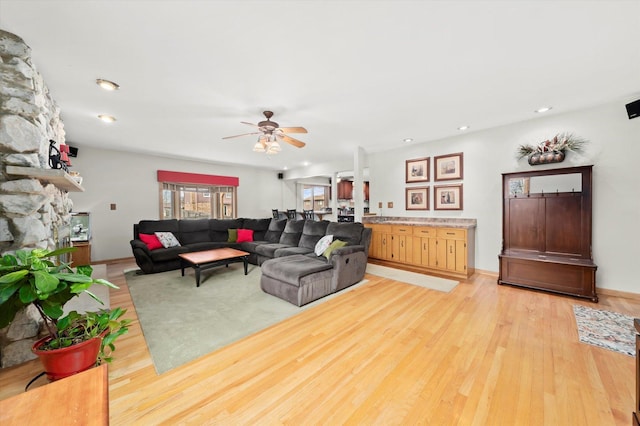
x=32 y=278
x=560 y=142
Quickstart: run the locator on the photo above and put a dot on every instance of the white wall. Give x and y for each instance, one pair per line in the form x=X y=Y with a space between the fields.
x=130 y=181
x=613 y=149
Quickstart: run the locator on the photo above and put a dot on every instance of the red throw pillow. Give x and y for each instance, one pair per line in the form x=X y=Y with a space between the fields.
x=151 y=241
x=244 y=235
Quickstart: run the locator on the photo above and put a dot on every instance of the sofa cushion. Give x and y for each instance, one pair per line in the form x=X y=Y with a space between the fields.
x=251 y=246
x=351 y=233
x=245 y=235
x=151 y=226
x=219 y=228
x=289 y=251
x=292 y=232
x=233 y=235
x=269 y=249
x=322 y=244
x=275 y=230
x=334 y=245
x=291 y=269
x=152 y=242
x=194 y=231
x=259 y=227
x=167 y=239
x=312 y=232
x=165 y=254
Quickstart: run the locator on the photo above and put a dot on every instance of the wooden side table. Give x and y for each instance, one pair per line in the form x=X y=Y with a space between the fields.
x=82 y=256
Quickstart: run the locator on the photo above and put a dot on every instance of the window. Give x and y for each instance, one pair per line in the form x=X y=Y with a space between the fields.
x=184 y=201
x=315 y=197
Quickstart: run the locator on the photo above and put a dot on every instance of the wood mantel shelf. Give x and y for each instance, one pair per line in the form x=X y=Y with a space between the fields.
x=58 y=177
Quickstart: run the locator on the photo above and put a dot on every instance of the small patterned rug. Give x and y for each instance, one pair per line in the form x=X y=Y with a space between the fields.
x=609 y=330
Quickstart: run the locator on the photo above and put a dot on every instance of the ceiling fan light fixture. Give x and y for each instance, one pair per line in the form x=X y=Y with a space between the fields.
x=107 y=118
x=259 y=147
x=107 y=84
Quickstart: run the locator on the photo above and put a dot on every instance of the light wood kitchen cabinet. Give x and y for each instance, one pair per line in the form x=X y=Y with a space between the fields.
x=442 y=250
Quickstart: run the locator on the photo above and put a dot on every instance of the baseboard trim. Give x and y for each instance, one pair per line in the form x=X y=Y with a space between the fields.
x=113 y=261
x=618 y=293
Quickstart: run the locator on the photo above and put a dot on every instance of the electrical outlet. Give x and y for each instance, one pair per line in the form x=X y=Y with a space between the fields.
x=389 y=204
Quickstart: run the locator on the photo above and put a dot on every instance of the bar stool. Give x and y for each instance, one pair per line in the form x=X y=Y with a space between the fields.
x=291 y=213
x=275 y=213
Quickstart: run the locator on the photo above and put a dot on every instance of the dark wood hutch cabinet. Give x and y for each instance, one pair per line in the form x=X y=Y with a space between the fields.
x=546 y=231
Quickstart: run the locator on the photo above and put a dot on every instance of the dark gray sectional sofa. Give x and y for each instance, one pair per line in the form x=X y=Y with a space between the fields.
x=284 y=249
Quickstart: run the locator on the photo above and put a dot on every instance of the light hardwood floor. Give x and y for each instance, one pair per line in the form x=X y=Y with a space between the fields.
x=384 y=353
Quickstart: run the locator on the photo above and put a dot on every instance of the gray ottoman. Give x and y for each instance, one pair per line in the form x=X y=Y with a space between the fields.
x=298 y=279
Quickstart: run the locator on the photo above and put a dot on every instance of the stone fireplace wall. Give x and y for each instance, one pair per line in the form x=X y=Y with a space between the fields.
x=33 y=214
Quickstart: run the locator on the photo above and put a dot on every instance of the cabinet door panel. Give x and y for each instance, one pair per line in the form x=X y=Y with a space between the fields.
x=451 y=255
x=461 y=256
x=432 y=255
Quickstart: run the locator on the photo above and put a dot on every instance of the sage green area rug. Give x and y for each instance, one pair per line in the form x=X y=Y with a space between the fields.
x=422 y=280
x=182 y=322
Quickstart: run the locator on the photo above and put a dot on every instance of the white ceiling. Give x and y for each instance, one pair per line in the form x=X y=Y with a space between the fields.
x=354 y=73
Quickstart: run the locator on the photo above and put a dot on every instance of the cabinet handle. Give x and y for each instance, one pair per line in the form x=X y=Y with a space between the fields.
x=451 y=233
x=424 y=246
x=401 y=243
x=450 y=249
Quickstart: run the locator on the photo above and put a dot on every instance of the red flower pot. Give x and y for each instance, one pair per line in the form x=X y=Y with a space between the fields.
x=64 y=362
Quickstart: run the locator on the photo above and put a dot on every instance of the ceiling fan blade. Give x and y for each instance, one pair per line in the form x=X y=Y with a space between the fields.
x=293 y=129
x=249 y=124
x=292 y=141
x=244 y=134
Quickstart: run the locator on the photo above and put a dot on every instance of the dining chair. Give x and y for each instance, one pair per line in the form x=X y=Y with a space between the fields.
x=308 y=214
x=275 y=213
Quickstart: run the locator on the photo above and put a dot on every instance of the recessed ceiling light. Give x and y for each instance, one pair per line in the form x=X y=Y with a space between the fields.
x=107 y=84
x=407 y=140
x=306 y=163
x=543 y=109
x=107 y=118
x=463 y=128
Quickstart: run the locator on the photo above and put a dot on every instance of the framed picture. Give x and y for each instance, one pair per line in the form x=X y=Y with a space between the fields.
x=417 y=170
x=418 y=198
x=448 y=167
x=518 y=186
x=447 y=197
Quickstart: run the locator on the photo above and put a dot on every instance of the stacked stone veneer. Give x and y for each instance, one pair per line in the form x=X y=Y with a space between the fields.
x=33 y=214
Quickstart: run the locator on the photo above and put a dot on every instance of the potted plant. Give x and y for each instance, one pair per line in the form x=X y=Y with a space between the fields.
x=30 y=278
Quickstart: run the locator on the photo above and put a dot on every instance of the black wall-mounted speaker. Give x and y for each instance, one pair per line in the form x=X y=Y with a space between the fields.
x=73 y=151
x=633 y=109
x=280 y=175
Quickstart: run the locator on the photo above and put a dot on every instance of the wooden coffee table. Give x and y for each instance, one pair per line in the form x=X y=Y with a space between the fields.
x=201 y=260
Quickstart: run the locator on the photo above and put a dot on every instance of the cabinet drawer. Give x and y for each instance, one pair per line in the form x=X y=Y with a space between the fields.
x=452 y=233
x=401 y=229
x=422 y=231
x=379 y=228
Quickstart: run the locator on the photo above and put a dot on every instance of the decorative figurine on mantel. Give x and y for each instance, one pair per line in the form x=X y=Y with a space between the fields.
x=551 y=151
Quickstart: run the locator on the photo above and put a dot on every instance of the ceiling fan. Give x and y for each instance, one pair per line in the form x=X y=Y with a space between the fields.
x=270 y=132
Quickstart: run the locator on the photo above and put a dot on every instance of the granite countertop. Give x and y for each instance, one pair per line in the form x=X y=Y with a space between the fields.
x=422 y=221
